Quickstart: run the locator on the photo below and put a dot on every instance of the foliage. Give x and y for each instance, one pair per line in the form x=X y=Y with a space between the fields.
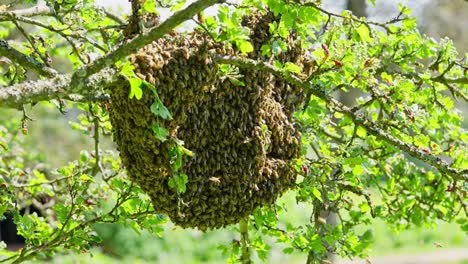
x=401 y=139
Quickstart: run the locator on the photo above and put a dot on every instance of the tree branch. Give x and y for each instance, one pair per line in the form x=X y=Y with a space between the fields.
x=39 y=10
x=9 y=52
x=54 y=88
x=359 y=119
x=80 y=83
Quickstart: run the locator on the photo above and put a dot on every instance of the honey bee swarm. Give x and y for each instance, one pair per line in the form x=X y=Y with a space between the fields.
x=238 y=165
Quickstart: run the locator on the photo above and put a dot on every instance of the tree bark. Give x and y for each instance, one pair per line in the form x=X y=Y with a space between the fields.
x=58 y=87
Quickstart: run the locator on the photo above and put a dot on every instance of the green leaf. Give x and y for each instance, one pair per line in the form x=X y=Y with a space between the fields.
x=171 y=183
x=316 y=244
x=150 y=6
x=244 y=46
x=160 y=110
x=409 y=24
x=86 y=178
x=288 y=250
x=364 y=207
x=4 y=146
x=187 y=152
x=291 y=67
x=135 y=88
x=279 y=46
x=179 y=182
x=361 y=132
x=442 y=209
x=61 y=212
x=266 y=50
x=84 y=156
x=235 y=81
x=160 y=133
x=127 y=69
x=391 y=184
x=317 y=194
x=358 y=170
x=363 y=32
x=178 y=5
x=282 y=29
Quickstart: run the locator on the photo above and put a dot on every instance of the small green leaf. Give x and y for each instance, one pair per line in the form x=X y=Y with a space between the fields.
x=86 y=178
x=244 y=46
x=127 y=69
x=179 y=182
x=278 y=64
x=361 y=132
x=61 y=212
x=358 y=170
x=178 y=5
x=391 y=184
x=84 y=156
x=288 y=250
x=236 y=81
x=135 y=88
x=364 y=207
x=160 y=133
x=171 y=183
x=150 y=6
x=4 y=146
x=317 y=194
x=367 y=236
x=160 y=110
x=291 y=67
x=442 y=209
x=363 y=32
x=266 y=50
x=187 y=152
x=279 y=46
x=283 y=30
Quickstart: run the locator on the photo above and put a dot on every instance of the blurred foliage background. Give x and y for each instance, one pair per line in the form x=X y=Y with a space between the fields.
x=51 y=141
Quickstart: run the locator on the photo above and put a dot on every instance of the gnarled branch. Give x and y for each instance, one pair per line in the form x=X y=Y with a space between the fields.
x=39 y=10
x=55 y=88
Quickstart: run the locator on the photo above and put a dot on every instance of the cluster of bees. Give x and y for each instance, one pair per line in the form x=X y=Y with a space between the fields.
x=244 y=138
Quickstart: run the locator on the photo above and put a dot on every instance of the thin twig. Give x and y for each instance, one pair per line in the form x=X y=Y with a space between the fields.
x=245 y=242
x=97 y=155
